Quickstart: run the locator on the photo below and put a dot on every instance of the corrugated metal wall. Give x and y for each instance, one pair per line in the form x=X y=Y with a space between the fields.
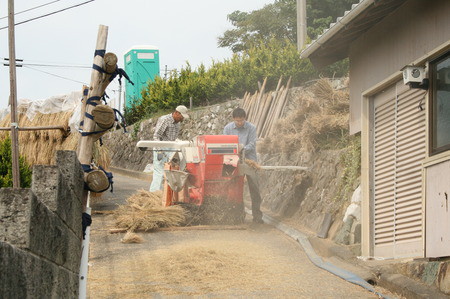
x=399 y=147
x=416 y=28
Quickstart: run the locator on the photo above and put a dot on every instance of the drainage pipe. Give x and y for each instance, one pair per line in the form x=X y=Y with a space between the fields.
x=315 y=259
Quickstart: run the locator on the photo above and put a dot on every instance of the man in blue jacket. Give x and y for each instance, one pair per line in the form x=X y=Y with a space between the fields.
x=247 y=137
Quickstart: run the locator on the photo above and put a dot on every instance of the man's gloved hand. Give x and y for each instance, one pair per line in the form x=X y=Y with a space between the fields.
x=159 y=156
x=240 y=148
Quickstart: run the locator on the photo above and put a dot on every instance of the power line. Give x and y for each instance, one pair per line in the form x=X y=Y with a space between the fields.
x=18 y=13
x=19 y=64
x=51 y=74
x=49 y=14
x=45 y=63
x=55 y=65
x=65 y=78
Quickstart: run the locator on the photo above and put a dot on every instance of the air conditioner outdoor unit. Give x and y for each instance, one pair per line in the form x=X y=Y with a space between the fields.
x=413 y=74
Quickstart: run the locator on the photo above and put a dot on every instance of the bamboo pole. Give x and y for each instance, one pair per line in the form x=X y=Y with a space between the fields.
x=251 y=107
x=262 y=113
x=286 y=99
x=280 y=106
x=279 y=84
x=258 y=101
x=245 y=101
x=242 y=103
x=276 y=108
x=265 y=112
x=271 y=112
x=85 y=92
x=262 y=110
x=269 y=115
x=250 y=102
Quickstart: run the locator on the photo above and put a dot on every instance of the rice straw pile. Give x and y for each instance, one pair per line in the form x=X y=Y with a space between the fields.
x=132 y=238
x=318 y=119
x=39 y=147
x=253 y=164
x=144 y=212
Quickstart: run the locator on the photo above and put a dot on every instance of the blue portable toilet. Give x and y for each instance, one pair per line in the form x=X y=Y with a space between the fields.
x=141 y=65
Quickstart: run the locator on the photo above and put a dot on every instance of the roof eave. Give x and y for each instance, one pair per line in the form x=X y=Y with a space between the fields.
x=335 y=28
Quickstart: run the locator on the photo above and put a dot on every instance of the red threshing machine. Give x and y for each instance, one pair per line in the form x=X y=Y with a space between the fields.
x=204 y=173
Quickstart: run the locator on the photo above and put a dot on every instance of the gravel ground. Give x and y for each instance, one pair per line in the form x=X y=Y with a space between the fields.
x=255 y=261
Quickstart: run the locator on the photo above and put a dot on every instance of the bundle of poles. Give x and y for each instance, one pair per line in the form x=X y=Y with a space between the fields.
x=264 y=109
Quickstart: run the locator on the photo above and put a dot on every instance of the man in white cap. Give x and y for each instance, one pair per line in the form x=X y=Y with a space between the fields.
x=167 y=129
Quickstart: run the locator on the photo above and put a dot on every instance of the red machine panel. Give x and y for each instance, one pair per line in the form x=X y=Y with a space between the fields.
x=210 y=179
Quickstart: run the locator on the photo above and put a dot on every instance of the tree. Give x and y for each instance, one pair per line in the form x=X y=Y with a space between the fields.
x=321 y=13
x=274 y=20
x=279 y=20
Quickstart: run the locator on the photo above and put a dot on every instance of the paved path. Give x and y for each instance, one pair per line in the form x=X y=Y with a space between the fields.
x=255 y=261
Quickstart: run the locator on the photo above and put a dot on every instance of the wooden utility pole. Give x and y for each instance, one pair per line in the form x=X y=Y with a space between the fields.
x=301 y=24
x=13 y=97
x=99 y=82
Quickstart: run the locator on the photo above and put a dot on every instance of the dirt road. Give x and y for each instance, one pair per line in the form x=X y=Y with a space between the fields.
x=254 y=261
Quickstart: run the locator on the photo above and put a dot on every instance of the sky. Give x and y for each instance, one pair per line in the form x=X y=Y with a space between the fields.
x=182 y=30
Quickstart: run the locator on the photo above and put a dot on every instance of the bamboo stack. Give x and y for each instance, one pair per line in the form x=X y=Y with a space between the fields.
x=265 y=109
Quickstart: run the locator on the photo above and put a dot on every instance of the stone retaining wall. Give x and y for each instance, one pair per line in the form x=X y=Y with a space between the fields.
x=41 y=232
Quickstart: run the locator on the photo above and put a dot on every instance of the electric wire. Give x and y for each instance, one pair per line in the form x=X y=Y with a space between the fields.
x=109 y=89
x=20 y=62
x=55 y=75
x=54 y=65
x=29 y=9
x=48 y=14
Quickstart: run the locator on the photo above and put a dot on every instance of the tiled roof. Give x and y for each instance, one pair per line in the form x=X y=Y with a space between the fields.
x=333 y=44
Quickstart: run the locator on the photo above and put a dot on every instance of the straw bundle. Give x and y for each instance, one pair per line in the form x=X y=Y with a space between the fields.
x=321 y=129
x=318 y=118
x=252 y=164
x=39 y=147
x=132 y=238
x=333 y=100
x=144 y=211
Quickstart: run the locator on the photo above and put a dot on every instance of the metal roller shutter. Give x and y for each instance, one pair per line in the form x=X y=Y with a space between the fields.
x=398 y=150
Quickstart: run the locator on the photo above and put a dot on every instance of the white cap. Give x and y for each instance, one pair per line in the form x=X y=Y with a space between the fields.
x=183 y=110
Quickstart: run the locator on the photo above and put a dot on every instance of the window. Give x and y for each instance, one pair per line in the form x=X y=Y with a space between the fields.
x=440 y=104
x=143 y=55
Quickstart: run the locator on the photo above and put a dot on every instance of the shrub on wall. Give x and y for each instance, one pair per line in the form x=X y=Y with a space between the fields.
x=224 y=80
x=6 y=167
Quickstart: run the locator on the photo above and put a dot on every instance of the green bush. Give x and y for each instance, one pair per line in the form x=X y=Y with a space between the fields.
x=351 y=161
x=6 y=179
x=224 y=80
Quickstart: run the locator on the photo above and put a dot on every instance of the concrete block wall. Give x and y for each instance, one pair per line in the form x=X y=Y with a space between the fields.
x=41 y=232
